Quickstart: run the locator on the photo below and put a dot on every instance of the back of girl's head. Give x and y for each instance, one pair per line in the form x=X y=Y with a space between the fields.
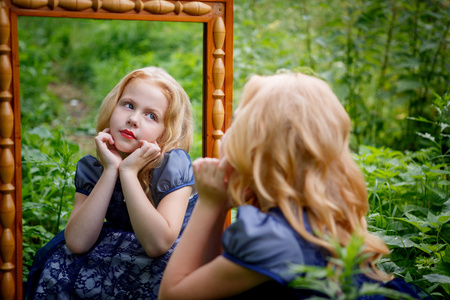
x=289 y=144
x=178 y=132
x=286 y=126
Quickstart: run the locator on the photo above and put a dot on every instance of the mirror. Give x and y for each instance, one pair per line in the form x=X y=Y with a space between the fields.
x=67 y=66
x=217 y=19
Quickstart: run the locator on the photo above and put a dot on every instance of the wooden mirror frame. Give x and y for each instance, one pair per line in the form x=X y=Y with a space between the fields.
x=217 y=17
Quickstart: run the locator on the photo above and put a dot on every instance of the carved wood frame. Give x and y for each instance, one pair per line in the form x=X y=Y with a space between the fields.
x=217 y=17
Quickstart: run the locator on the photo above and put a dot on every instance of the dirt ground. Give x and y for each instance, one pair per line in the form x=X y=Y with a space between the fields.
x=78 y=113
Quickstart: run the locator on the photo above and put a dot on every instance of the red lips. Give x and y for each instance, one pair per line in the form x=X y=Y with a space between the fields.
x=127 y=134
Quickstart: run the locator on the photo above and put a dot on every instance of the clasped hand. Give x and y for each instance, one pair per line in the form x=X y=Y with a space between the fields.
x=211 y=180
x=135 y=161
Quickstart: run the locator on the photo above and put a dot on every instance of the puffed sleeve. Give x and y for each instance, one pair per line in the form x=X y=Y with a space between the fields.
x=174 y=173
x=87 y=174
x=262 y=243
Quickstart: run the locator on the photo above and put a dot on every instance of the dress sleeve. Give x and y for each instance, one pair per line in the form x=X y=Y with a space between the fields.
x=87 y=174
x=174 y=173
x=259 y=242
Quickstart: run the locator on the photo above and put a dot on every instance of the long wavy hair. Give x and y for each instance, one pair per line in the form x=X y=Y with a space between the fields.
x=178 y=130
x=289 y=146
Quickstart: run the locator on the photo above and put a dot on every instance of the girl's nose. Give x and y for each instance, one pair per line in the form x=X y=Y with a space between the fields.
x=132 y=120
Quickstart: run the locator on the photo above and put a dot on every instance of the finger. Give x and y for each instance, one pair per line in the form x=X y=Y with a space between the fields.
x=196 y=165
x=105 y=137
x=152 y=152
x=223 y=163
x=209 y=168
x=148 y=144
x=220 y=170
x=149 y=150
x=228 y=168
x=154 y=146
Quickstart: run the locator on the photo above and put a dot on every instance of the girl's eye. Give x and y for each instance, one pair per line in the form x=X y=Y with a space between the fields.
x=151 y=116
x=129 y=105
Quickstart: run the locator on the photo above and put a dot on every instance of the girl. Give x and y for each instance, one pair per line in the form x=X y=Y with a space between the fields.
x=285 y=162
x=141 y=183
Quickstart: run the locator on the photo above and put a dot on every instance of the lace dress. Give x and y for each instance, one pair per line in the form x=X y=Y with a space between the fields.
x=267 y=244
x=116 y=267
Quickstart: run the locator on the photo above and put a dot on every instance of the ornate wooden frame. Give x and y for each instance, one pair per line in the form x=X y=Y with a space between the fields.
x=217 y=17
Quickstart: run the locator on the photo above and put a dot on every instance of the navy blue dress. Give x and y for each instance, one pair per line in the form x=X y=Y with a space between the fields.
x=116 y=267
x=267 y=244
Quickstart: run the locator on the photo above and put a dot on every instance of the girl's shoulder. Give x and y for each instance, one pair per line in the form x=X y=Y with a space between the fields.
x=88 y=171
x=176 y=157
x=89 y=162
x=255 y=231
x=174 y=172
x=266 y=243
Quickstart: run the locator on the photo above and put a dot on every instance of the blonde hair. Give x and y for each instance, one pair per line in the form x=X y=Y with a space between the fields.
x=178 y=130
x=289 y=144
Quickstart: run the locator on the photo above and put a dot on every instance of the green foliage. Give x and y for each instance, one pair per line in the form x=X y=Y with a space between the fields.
x=410 y=206
x=48 y=167
x=336 y=280
x=383 y=59
x=410 y=211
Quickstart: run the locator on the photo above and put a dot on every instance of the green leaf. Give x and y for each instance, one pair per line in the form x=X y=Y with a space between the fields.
x=428 y=45
x=443 y=126
x=441 y=172
x=420 y=119
x=408 y=277
x=398 y=241
x=440 y=192
x=445 y=232
x=42 y=132
x=446 y=205
x=408 y=85
x=413 y=171
x=427 y=136
x=446 y=256
x=375 y=289
x=444 y=217
x=430 y=248
x=437 y=278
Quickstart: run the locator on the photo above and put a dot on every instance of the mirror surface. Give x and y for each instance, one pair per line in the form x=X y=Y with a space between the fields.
x=67 y=66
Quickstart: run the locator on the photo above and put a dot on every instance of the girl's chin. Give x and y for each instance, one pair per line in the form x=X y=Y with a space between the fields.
x=125 y=152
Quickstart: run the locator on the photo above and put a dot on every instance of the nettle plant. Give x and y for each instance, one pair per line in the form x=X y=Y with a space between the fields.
x=410 y=205
x=336 y=280
x=48 y=167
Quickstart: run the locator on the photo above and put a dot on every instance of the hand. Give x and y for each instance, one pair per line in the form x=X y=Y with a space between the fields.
x=141 y=156
x=211 y=180
x=109 y=156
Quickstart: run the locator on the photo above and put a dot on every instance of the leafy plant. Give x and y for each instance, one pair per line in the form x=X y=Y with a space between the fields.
x=410 y=205
x=48 y=167
x=337 y=280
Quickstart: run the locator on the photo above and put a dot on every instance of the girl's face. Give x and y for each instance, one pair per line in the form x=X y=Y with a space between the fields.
x=139 y=115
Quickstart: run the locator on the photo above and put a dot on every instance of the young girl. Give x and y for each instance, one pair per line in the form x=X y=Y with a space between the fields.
x=285 y=162
x=141 y=182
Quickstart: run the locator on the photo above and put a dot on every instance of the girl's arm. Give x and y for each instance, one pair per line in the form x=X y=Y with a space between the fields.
x=88 y=214
x=196 y=270
x=156 y=228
